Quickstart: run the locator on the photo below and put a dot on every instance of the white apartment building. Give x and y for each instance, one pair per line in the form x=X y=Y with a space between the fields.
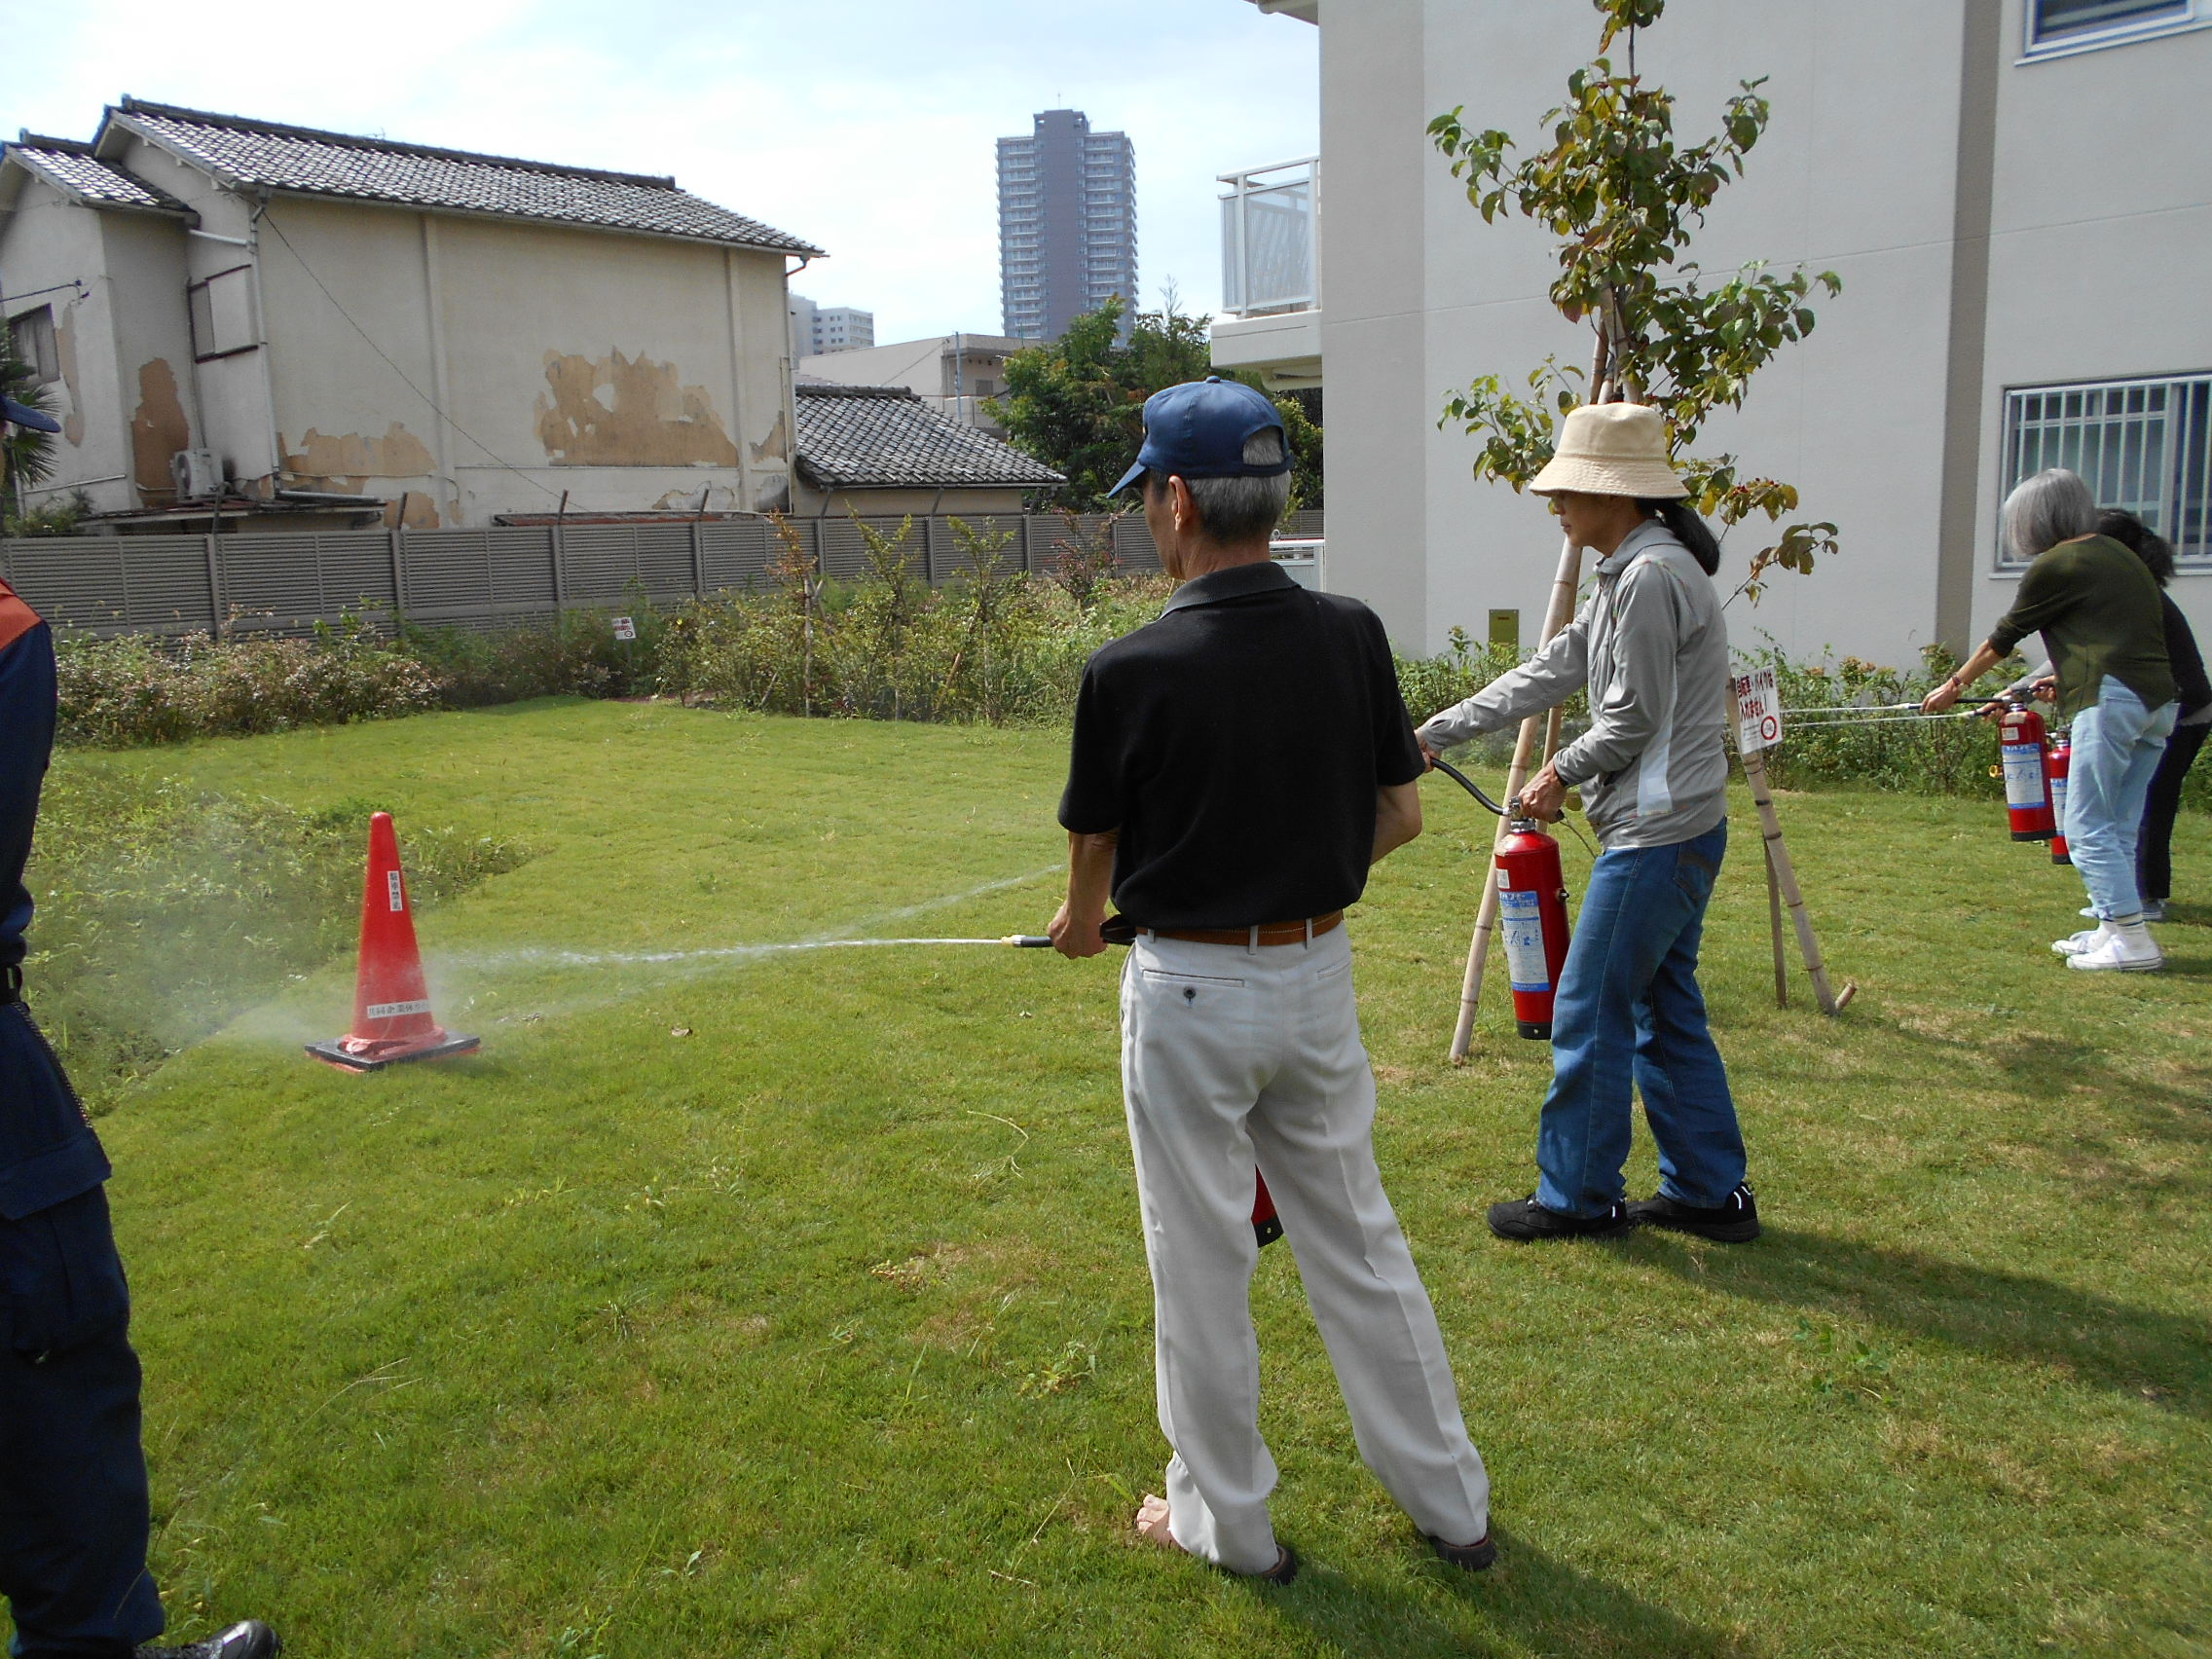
x=2016 y=194
x=817 y=329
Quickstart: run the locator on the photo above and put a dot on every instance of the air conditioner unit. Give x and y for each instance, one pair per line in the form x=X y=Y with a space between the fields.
x=195 y=475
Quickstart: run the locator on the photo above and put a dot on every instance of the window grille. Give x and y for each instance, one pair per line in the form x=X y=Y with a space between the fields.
x=2143 y=445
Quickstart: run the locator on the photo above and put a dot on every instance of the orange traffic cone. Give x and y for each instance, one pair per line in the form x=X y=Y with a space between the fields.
x=391 y=1005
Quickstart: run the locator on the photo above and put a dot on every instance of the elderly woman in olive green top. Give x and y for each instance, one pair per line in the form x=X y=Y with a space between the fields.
x=2099 y=611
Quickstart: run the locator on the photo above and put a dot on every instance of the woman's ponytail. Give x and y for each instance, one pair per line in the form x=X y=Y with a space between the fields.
x=1689 y=530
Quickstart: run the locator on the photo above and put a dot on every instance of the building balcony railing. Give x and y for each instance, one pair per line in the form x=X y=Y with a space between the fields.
x=1270 y=238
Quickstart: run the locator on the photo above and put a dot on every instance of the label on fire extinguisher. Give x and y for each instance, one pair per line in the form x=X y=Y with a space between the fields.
x=2023 y=776
x=1519 y=918
x=2059 y=802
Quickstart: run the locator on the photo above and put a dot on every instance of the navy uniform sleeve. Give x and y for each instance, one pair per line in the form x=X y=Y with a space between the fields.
x=1093 y=802
x=1398 y=758
x=26 y=742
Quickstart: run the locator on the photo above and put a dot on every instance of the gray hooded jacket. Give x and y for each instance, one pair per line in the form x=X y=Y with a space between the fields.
x=1652 y=648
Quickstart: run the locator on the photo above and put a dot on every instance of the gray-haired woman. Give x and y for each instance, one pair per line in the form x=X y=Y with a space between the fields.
x=2100 y=614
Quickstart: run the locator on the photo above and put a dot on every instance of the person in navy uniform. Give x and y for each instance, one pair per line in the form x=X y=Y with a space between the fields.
x=73 y=1500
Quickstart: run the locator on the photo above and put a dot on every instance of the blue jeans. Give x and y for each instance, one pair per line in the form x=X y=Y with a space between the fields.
x=2117 y=746
x=1630 y=1013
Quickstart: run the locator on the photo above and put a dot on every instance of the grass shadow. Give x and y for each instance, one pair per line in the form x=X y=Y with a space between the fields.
x=2139 y=1351
x=1532 y=1599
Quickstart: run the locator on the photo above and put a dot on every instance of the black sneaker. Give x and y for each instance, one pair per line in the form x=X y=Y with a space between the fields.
x=248 y=1639
x=1735 y=1220
x=1524 y=1220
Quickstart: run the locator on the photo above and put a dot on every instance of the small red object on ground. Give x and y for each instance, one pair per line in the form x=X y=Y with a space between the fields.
x=1267 y=1227
x=392 y=1004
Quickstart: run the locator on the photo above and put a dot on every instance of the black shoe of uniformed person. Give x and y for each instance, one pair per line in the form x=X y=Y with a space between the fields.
x=1524 y=1220
x=1735 y=1220
x=248 y=1639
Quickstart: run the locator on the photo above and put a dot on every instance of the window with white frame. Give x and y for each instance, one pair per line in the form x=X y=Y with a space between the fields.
x=2143 y=445
x=2077 y=26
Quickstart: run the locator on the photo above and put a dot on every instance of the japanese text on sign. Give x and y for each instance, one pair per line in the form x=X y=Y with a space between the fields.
x=625 y=627
x=1759 y=711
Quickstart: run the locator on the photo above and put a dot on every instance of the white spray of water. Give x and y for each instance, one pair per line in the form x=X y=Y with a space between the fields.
x=847 y=936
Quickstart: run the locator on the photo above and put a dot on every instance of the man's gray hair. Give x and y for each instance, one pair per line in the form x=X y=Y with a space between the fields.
x=2051 y=507
x=1240 y=509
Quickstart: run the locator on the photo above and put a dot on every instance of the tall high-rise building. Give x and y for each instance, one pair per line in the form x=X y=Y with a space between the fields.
x=1067 y=224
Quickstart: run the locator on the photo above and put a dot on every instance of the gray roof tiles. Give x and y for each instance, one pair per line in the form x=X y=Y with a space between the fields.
x=885 y=436
x=72 y=167
x=312 y=163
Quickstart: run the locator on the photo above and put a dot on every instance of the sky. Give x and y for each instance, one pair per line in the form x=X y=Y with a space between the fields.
x=865 y=126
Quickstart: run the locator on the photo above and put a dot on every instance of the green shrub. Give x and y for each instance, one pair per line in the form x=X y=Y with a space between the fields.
x=131 y=690
x=164 y=910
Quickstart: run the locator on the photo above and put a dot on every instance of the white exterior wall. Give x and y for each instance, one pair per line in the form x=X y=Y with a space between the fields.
x=2098 y=251
x=50 y=240
x=1860 y=171
x=632 y=372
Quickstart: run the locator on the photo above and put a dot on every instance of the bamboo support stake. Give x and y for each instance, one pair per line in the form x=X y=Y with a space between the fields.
x=1785 y=878
x=1774 y=927
x=1557 y=614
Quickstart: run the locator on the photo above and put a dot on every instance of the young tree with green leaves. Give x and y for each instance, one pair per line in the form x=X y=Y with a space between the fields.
x=1625 y=199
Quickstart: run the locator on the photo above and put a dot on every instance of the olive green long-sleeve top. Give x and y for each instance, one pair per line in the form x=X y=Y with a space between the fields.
x=2097 y=607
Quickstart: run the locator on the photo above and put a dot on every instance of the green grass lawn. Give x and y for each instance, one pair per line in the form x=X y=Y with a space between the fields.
x=796 y=1304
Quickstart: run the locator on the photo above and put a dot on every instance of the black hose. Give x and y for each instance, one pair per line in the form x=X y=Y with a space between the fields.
x=1465 y=781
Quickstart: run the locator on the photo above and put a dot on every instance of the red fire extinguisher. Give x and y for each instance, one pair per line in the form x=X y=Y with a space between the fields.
x=2027 y=774
x=1532 y=913
x=1267 y=1226
x=2061 y=760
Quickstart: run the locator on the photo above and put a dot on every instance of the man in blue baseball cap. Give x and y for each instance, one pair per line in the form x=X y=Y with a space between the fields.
x=1238 y=765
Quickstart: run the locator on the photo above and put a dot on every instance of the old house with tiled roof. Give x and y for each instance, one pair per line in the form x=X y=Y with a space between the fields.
x=283 y=324
x=883 y=450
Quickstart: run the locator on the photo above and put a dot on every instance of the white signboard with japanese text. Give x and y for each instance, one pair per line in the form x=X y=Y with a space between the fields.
x=625 y=627
x=1759 y=711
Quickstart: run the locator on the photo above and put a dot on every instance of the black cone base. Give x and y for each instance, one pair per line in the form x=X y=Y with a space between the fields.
x=333 y=1053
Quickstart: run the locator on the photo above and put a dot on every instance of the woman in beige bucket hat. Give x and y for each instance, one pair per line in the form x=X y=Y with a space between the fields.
x=1653 y=769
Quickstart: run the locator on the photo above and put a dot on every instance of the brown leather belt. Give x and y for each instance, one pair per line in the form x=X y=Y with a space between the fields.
x=1268 y=933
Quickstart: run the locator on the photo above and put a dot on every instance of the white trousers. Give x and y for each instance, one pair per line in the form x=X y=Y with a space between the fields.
x=1232 y=1056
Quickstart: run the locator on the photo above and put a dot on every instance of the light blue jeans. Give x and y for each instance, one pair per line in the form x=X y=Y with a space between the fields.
x=1630 y=1015
x=2116 y=745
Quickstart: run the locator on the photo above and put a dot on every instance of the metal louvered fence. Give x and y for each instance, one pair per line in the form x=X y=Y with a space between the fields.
x=480 y=578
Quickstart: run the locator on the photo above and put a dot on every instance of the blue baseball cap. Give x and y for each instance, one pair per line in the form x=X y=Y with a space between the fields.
x=1198 y=430
x=23 y=415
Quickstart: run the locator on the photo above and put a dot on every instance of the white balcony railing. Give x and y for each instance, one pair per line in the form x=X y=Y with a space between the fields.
x=1270 y=238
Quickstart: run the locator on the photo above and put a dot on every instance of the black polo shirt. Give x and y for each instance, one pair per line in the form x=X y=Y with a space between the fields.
x=1237 y=744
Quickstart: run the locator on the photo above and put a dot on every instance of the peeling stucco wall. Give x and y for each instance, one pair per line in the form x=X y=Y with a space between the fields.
x=157 y=430
x=618 y=410
x=347 y=461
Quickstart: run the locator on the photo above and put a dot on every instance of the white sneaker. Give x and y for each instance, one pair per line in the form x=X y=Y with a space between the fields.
x=2128 y=950
x=2088 y=910
x=2089 y=938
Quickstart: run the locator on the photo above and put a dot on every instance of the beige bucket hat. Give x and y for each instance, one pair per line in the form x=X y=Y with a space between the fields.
x=1612 y=449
